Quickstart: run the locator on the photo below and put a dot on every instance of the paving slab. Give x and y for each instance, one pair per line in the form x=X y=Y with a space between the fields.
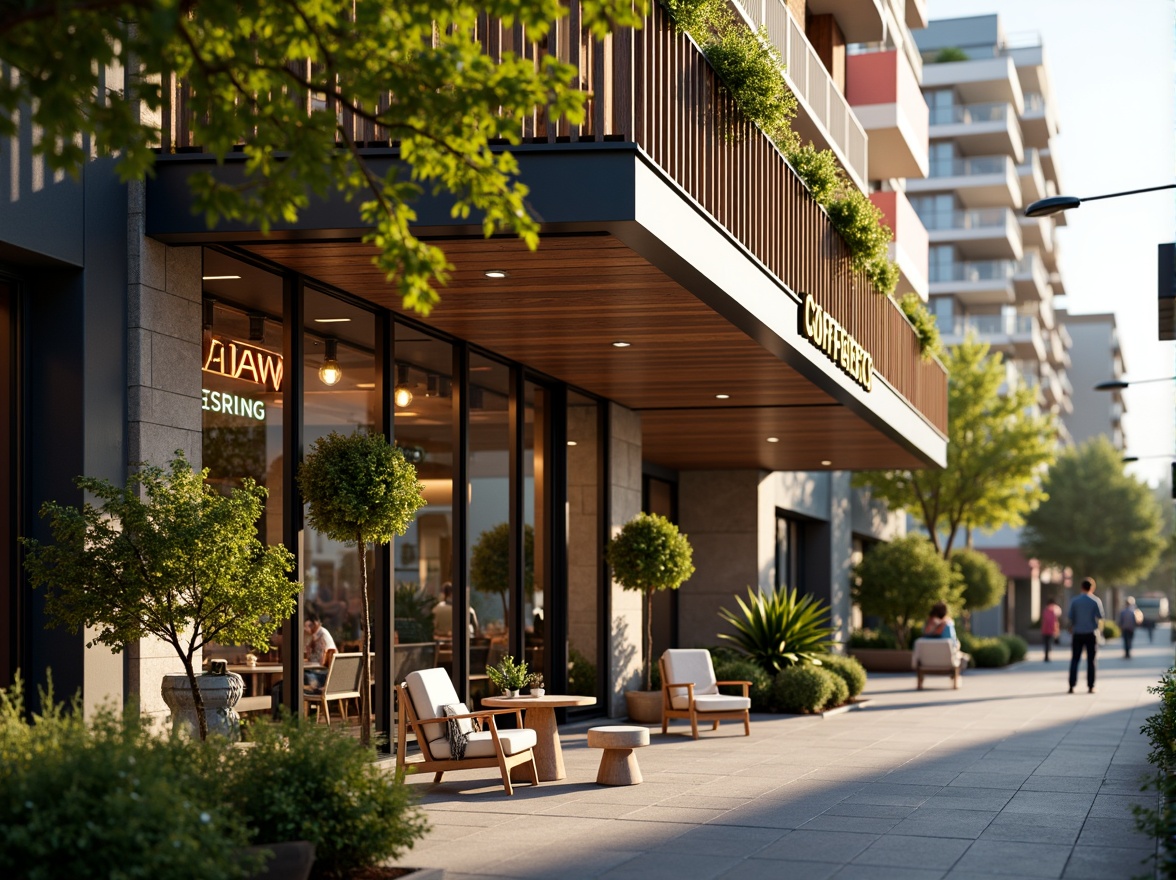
x=1008 y=778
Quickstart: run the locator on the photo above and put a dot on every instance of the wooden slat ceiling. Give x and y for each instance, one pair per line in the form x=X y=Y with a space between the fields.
x=560 y=309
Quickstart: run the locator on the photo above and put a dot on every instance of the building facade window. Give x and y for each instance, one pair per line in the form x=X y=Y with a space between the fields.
x=790 y=568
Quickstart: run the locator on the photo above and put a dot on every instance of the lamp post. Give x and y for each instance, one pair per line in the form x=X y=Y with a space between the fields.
x=1057 y=204
x=1120 y=384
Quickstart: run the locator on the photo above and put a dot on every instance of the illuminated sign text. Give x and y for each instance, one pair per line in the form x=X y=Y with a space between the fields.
x=237 y=360
x=835 y=341
x=232 y=404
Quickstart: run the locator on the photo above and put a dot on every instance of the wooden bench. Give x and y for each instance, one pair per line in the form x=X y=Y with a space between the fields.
x=937 y=657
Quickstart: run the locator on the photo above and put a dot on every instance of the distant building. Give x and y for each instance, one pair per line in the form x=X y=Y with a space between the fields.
x=1095 y=413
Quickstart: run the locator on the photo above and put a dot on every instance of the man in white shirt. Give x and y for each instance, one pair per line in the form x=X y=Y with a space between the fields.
x=316 y=641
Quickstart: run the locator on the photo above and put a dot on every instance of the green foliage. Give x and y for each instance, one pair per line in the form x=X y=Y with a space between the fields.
x=1018 y=647
x=252 y=65
x=984 y=583
x=508 y=675
x=996 y=450
x=414 y=612
x=839 y=693
x=924 y=324
x=164 y=556
x=1159 y=821
x=109 y=799
x=803 y=689
x=901 y=580
x=581 y=674
x=849 y=670
x=873 y=638
x=1110 y=630
x=647 y=555
x=307 y=782
x=1088 y=489
x=860 y=223
x=490 y=563
x=951 y=53
x=819 y=170
x=779 y=629
x=987 y=653
x=730 y=666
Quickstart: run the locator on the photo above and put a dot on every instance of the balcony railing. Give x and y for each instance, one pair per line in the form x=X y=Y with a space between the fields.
x=970 y=271
x=654 y=88
x=967 y=114
x=977 y=218
x=973 y=167
x=991 y=325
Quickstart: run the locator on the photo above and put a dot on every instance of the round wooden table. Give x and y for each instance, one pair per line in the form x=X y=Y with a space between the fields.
x=539 y=716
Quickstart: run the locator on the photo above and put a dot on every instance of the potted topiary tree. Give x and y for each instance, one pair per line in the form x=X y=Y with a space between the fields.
x=490 y=563
x=360 y=489
x=647 y=555
x=165 y=556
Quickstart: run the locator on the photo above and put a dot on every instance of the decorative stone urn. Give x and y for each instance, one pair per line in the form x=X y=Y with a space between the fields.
x=220 y=694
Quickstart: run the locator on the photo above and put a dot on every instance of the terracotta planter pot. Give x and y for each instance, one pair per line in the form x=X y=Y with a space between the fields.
x=644 y=707
x=883 y=659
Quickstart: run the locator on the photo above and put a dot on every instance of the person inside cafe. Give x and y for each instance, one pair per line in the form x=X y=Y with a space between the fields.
x=316 y=642
x=443 y=614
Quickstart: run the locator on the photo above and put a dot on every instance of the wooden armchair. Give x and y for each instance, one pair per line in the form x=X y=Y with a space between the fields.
x=422 y=700
x=342 y=684
x=938 y=657
x=689 y=690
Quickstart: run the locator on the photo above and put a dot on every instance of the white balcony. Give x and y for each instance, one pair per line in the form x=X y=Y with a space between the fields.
x=884 y=93
x=1018 y=336
x=975 y=282
x=823 y=115
x=978 y=234
x=1032 y=177
x=980 y=129
x=1039 y=122
x=977 y=81
x=979 y=182
x=1036 y=232
x=861 y=21
x=1030 y=280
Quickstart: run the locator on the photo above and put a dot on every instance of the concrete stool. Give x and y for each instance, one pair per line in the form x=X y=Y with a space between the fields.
x=618 y=764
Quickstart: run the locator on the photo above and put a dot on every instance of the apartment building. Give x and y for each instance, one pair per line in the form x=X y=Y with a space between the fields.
x=994 y=273
x=651 y=355
x=1097 y=411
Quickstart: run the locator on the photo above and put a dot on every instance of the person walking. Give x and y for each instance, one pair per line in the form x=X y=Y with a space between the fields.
x=1086 y=617
x=1129 y=618
x=1051 y=624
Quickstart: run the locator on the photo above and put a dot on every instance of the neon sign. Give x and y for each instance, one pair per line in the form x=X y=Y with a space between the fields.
x=232 y=404
x=238 y=360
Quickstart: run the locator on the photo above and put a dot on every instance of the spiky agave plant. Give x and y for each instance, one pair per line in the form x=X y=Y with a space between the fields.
x=780 y=628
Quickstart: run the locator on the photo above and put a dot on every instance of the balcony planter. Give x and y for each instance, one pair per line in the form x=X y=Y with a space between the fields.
x=884 y=659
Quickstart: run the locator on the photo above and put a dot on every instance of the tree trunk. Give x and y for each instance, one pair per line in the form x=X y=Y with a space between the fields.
x=649 y=640
x=197 y=697
x=365 y=684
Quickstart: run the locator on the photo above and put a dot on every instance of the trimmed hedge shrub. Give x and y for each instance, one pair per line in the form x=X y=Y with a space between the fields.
x=1017 y=646
x=989 y=653
x=872 y=638
x=849 y=669
x=802 y=689
x=1111 y=630
x=733 y=668
x=840 y=693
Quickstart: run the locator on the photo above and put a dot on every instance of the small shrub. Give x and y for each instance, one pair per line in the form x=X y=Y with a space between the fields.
x=950 y=54
x=802 y=689
x=731 y=667
x=926 y=327
x=839 y=695
x=1017 y=646
x=779 y=629
x=849 y=670
x=873 y=638
x=989 y=653
x=306 y=782
x=1111 y=630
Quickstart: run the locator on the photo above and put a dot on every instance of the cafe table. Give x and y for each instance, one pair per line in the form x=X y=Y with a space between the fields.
x=539 y=716
x=254 y=673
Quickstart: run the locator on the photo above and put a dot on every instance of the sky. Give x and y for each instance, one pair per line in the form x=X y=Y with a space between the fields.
x=1112 y=69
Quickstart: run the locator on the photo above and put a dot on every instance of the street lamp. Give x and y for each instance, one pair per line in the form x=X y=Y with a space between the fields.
x=1120 y=384
x=1057 y=204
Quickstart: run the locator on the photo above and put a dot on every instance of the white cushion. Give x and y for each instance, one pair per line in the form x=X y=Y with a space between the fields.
x=691 y=665
x=721 y=703
x=481 y=744
x=431 y=691
x=935 y=654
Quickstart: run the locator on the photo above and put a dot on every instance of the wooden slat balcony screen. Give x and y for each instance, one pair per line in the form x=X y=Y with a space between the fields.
x=653 y=87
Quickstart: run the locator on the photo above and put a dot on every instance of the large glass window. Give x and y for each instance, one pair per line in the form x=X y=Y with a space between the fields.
x=536 y=412
x=790 y=553
x=584 y=547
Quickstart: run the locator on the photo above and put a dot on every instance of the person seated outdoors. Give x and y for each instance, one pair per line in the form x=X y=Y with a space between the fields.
x=940 y=625
x=316 y=641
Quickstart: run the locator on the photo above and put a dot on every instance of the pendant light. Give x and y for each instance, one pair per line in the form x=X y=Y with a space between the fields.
x=330 y=372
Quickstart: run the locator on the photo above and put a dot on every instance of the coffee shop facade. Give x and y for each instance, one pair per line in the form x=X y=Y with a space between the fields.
x=688 y=339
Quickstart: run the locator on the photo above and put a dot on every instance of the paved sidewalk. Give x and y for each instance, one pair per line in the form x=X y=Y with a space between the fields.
x=1009 y=777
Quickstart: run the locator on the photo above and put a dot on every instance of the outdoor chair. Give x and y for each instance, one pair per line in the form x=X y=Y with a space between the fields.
x=689 y=690
x=444 y=730
x=342 y=684
x=937 y=657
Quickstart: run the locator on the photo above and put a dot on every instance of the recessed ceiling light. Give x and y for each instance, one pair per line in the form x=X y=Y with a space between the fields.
x=825 y=462
x=773 y=439
x=621 y=344
x=221 y=277
x=571 y=443
x=331 y=320
x=365 y=384
x=722 y=396
x=495 y=273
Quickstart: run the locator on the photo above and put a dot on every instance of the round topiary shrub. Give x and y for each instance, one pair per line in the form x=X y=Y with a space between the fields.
x=802 y=689
x=1017 y=646
x=990 y=653
x=840 y=693
x=730 y=668
x=849 y=669
x=1111 y=630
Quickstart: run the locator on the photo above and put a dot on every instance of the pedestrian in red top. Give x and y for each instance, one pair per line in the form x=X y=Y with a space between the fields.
x=1051 y=625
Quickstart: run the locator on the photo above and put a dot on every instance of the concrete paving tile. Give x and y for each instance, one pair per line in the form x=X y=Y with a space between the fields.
x=892 y=793
x=759 y=817
x=886 y=872
x=1063 y=829
x=825 y=822
x=899 y=851
x=962 y=798
x=591 y=810
x=818 y=846
x=576 y=866
x=1050 y=803
x=1114 y=832
x=921 y=776
x=957 y=874
x=870 y=811
x=705 y=801
x=723 y=840
x=935 y=822
x=1106 y=863
x=971 y=779
x=1044 y=782
x=681 y=815
x=769 y=869
x=1118 y=806
x=998 y=857
x=670 y=866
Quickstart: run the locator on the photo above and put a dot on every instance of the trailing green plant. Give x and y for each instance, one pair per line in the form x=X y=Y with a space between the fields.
x=848 y=669
x=1018 y=647
x=508 y=675
x=839 y=694
x=109 y=798
x=730 y=666
x=861 y=225
x=309 y=782
x=803 y=689
x=926 y=327
x=873 y=638
x=780 y=628
x=1159 y=821
x=950 y=54
x=647 y=555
